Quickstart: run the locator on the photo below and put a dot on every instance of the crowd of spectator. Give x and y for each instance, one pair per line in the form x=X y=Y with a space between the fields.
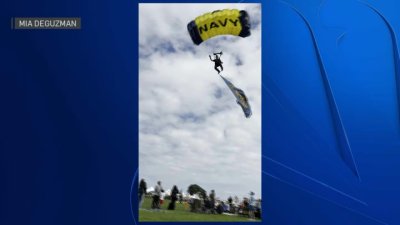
x=197 y=203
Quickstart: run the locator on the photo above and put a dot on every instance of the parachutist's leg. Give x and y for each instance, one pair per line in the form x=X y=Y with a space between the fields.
x=222 y=68
x=216 y=68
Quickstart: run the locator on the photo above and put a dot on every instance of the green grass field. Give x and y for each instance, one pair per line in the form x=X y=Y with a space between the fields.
x=182 y=214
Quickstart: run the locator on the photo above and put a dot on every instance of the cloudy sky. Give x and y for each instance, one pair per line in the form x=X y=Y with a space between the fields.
x=191 y=131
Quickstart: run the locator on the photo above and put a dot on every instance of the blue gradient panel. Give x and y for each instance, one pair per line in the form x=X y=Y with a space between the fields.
x=68 y=114
x=331 y=128
x=331 y=135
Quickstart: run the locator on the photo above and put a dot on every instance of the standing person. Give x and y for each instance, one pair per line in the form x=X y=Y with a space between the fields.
x=217 y=61
x=212 y=201
x=230 y=202
x=156 y=196
x=174 y=197
x=142 y=191
x=245 y=206
x=251 y=205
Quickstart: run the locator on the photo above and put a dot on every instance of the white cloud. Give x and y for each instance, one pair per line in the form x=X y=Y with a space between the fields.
x=190 y=128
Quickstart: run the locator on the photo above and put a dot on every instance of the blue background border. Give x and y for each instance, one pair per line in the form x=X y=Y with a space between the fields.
x=68 y=118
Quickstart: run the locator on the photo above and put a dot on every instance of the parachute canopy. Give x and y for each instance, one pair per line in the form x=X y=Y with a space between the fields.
x=219 y=22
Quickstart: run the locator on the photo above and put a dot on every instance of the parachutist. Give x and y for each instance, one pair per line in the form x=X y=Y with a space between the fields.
x=217 y=61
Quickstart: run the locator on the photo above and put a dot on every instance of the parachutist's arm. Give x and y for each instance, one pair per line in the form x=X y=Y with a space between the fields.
x=210 y=57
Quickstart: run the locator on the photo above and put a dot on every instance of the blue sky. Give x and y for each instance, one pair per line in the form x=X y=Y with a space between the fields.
x=191 y=131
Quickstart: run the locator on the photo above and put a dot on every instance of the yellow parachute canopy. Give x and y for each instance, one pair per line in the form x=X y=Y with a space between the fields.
x=219 y=22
